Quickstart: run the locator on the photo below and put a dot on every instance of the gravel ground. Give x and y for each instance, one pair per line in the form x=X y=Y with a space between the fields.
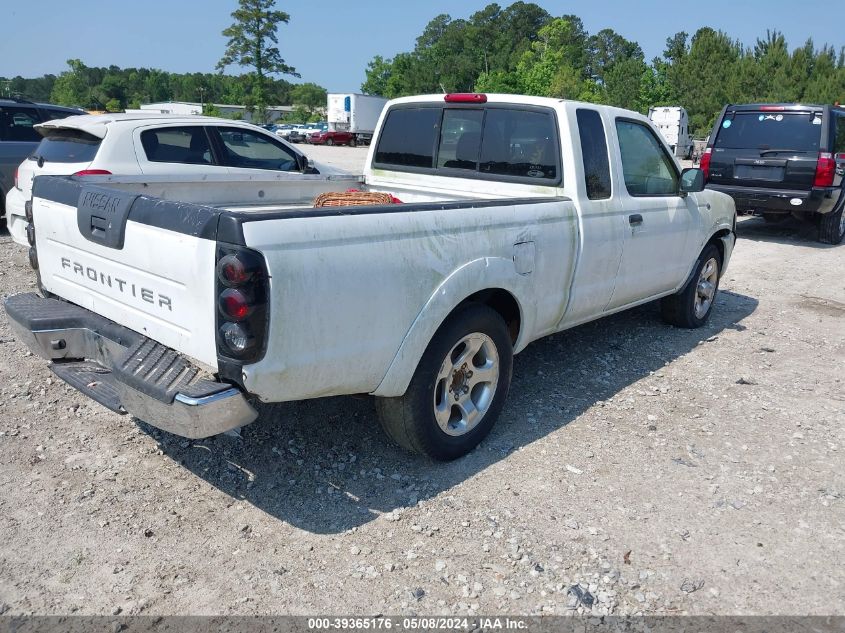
x=636 y=468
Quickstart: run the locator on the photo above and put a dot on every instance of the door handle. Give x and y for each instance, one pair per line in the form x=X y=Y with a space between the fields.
x=635 y=219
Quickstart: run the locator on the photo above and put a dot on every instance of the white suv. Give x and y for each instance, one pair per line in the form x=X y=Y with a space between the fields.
x=129 y=144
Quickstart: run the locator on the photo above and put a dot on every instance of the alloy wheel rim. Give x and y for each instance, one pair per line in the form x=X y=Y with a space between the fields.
x=705 y=290
x=466 y=384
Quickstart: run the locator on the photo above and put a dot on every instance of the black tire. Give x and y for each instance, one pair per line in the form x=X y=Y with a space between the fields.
x=774 y=218
x=832 y=225
x=410 y=421
x=352 y=142
x=329 y=142
x=680 y=309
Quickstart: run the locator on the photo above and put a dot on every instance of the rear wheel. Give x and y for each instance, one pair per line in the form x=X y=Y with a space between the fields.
x=691 y=306
x=458 y=389
x=832 y=225
x=329 y=142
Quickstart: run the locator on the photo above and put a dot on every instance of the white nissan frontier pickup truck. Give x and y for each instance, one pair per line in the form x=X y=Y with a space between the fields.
x=481 y=223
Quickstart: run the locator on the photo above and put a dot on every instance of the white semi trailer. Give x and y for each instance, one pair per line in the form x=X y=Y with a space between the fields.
x=673 y=124
x=354 y=113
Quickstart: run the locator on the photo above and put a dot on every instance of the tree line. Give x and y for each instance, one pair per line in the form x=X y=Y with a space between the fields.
x=522 y=49
x=252 y=41
x=115 y=89
x=518 y=49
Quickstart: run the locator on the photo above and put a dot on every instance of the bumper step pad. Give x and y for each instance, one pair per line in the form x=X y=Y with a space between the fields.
x=160 y=372
x=125 y=371
x=92 y=379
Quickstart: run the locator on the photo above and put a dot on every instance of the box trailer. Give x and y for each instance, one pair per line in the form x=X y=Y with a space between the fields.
x=354 y=113
x=673 y=123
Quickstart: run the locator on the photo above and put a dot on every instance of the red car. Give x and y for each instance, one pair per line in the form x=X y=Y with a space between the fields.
x=329 y=137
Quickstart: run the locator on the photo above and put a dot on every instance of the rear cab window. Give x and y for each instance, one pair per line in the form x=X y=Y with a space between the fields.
x=409 y=138
x=496 y=142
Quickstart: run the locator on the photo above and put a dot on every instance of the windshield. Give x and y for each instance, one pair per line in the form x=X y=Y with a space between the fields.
x=799 y=132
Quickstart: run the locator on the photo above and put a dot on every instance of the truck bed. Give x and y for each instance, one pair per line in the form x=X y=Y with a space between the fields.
x=270 y=194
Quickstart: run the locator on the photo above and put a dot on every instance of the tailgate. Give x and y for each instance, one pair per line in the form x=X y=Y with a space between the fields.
x=145 y=263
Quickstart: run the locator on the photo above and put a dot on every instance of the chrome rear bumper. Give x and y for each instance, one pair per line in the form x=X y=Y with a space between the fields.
x=125 y=371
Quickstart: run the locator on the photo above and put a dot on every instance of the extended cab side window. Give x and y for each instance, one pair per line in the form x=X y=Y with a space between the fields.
x=646 y=167
x=188 y=145
x=253 y=150
x=594 y=153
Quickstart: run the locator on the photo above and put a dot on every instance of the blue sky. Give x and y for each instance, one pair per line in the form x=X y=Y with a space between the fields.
x=330 y=42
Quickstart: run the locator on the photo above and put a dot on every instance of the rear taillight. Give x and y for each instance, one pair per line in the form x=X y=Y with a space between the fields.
x=825 y=170
x=93 y=172
x=237 y=338
x=705 y=163
x=234 y=304
x=232 y=271
x=242 y=310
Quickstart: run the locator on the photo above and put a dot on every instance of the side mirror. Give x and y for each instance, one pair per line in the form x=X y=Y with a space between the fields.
x=305 y=165
x=301 y=162
x=692 y=181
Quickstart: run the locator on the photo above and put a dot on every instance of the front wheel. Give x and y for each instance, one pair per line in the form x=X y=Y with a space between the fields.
x=352 y=142
x=329 y=142
x=458 y=389
x=691 y=306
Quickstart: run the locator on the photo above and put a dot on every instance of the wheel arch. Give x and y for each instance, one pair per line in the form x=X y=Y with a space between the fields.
x=718 y=238
x=723 y=239
x=501 y=293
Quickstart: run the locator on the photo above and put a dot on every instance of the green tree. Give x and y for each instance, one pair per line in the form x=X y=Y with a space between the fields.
x=623 y=82
x=377 y=75
x=72 y=87
x=606 y=49
x=705 y=76
x=310 y=97
x=655 y=89
x=555 y=65
x=252 y=40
